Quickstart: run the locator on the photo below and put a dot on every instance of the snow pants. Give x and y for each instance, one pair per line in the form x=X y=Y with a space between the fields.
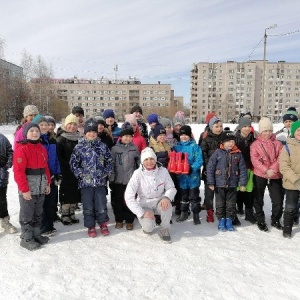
x=225 y=202
x=190 y=196
x=3 y=202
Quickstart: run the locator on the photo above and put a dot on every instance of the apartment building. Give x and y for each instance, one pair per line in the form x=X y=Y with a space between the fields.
x=231 y=88
x=9 y=69
x=94 y=96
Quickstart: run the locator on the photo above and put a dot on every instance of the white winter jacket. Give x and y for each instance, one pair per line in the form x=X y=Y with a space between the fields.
x=150 y=187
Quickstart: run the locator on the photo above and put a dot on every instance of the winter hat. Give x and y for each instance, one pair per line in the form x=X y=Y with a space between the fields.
x=50 y=119
x=130 y=118
x=226 y=136
x=77 y=110
x=108 y=113
x=243 y=122
x=136 y=108
x=248 y=114
x=39 y=119
x=179 y=118
x=29 y=125
x=209 y=116
x=71 y=119
x=294 y=127
x=90 y=125
x=289 y=116
x=30 y=110
x=126 y=129
x=146 y=153
x=165 y=122
x=292 y=110
x=186 y=129
x=158 y=129
x=152 y=118
x=265 y=124
x=100 y=120
x=213 y=121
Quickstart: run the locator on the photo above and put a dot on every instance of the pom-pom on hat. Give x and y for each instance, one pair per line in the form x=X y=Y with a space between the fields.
x=30 y=110
x=152 y=118
x=136 y=108
x=126 y=129
x=179 y=118
x=90 y=125
x=265 y=124
x=108 y=113
x=29 y=125
x=294 y=127
x=226 y=136
x=213 y=121
x=157 y=130
x=71 y=119
x=243 y=122
x=148 y=153
x=77 y=110
x=185 y=129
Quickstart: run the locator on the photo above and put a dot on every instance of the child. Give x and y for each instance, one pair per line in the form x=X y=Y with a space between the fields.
x=189 y=184
x=50 y=203
x=226 y=170
x=152 y=120
x=51 y=125
x=104 y=134
x=150 y=191
x=111 y=124
x=138 y=112
x=30 y=111
x=6 y=156
x=126 y=159
x=178 y=121
x=69 y=194
x=167 y=124
x=264 y=157
x=209 y=144
x=31 y=172
x=91 y=163
x=79 y=113
x=289 y=166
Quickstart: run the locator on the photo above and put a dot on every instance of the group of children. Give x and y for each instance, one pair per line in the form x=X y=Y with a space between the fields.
x=148 y=173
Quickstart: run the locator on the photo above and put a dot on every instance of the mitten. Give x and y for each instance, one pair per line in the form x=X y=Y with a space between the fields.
x=58 y=179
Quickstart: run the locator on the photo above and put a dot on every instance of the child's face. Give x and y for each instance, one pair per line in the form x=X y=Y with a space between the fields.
x=29 y=118
x=246 y=130
x=217 y=128
x=176 y=128
x=91 y=135
x=138 y=115
x=110 y=121
x=100 y=127
x=266 y=135
x=51 y=127
x=126 y=139
x=149 y=163
x=184 y=138
x=297 y=134
x=152 y=125
x=44 y=127
x=33 y=134
x=228 y=145
x=168 y=129
x=80 y=117
x=133 y=126
x=72 y=127
x=161 y=138
x=287 y=124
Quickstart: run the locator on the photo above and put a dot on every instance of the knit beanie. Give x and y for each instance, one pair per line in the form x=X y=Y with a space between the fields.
x=30 y=110
x=213 y=121
x=50 y=119
x=243 y=122
x=209 y=116
x=126 y=130
x=29 y=125
x=292 y=110
x=179 y=118
x=77 y=110
x=152 y=118
x=147 y=153
x=157 y=130
x=39 y=119
x=71 y=119
x=90 y=125
x=186 y=129
x=130 y=118
x=265 y=124
x=288 y=116
x=136 y=108
x=294 y=127
x=226 y=136
x=165 y=122
x=108 y=113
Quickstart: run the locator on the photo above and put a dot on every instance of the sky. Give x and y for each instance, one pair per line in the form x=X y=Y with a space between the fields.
x=157 y=40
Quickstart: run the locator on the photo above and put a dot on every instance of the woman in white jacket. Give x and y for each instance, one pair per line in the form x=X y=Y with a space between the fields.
x=155 y=190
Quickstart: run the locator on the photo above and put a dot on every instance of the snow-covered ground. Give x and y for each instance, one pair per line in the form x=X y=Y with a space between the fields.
x=201 y=263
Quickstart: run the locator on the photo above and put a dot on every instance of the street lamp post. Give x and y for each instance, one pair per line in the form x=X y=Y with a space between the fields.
x=262 y=111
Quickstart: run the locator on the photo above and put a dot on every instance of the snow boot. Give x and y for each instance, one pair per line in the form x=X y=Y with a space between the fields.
x=65 y=214
x=119 y=225
x=249 y=216
x=196 y=219
x=262 y=226
x=210 y=216
x=7 y=226
x=38 y=237
x=277 y=225
x=129 y=226
x=104 y=229
x=228 y=224
x=164 y=234
x=222 y=224
x=92 y=232
x=30 y=245
x=236 y=221
x=73 y=218
x=183 y=216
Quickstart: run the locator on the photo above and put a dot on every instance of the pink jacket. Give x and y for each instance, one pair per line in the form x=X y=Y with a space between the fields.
x=264 y=156
x=19 y=136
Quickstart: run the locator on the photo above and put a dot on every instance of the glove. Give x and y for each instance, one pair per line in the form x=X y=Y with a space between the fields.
x=297 y=184
x=58 y=179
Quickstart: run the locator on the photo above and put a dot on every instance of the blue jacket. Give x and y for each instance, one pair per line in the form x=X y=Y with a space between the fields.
x=195 y=159
x=6 y=152
x=91 y=163
x=227 y=169
x=49 y=144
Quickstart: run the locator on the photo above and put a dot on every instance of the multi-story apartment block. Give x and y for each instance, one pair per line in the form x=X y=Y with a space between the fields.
x=231 y=88
x=9 y=69
x=94 y=96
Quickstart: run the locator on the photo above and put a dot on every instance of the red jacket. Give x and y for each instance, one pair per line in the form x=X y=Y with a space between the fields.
x=139 y=141
x=264 y=156
x=29 y=156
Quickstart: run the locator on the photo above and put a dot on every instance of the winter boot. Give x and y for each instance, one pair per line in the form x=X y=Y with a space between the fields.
x=277 y=225
x=38 y=237
x=92 y=232
x=296 y=221
x=262 y=226
x=30 y=245
x=196 y=219
x=104 y=229
x=65 y=214
x=228 y=224
x=164 y=234
x=236 y=221
x=210 y=216
x=222 y=224
x=129 y=226
x=183 y=216
x=73 y=218
x=7 y=226
x=119 y=225
x=249 y=216
x=288 y=220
